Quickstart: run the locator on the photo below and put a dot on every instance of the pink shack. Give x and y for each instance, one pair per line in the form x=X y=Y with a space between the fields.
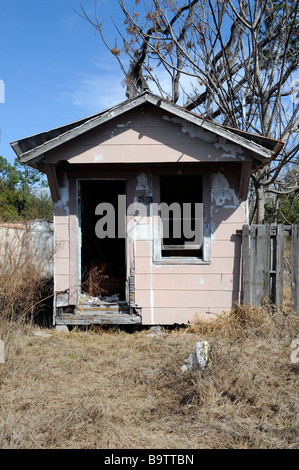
x=149 y=201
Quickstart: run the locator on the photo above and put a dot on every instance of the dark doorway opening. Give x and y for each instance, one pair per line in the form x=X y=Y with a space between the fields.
x=103 y=260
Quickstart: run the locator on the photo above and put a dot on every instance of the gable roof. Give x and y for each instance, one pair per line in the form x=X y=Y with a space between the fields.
x=32 y=149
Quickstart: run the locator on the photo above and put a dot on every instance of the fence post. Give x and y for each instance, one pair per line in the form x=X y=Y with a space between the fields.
x=259 y=261
x=267 y=262
x=246 y=265
x=263 y=264
x=279 y=264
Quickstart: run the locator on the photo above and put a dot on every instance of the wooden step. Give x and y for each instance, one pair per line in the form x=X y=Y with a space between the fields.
x=108 y=314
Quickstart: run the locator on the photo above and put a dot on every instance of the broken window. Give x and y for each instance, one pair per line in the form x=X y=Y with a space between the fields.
x=181 y=213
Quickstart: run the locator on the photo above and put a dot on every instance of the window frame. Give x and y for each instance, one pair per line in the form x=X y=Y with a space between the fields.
x=206 y=224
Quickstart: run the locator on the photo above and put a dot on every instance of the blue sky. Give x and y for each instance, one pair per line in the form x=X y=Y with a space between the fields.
x=54 y=67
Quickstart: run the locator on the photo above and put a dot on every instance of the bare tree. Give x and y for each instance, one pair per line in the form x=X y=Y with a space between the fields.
x=239 y=58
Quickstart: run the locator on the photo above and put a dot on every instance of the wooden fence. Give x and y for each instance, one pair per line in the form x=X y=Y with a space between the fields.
x=270 y=263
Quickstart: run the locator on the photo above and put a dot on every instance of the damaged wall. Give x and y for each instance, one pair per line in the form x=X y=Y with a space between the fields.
x=62 y=238
x=147 y=135
x=167 y=293
x=175 y=293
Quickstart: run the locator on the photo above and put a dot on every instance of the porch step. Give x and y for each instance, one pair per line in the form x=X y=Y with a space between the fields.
x=104 y=314
x=106 y=307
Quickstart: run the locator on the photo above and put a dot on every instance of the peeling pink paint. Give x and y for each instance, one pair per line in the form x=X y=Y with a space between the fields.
x=166 y=293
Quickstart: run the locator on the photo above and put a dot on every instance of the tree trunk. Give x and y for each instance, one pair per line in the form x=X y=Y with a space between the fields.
x=261 y=198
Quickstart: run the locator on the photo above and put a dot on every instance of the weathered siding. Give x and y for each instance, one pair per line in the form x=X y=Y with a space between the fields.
x=167 y=291
x=147 y=137
x=171 y=293
x=62 y=259
x=175 y=293
x=62 y=238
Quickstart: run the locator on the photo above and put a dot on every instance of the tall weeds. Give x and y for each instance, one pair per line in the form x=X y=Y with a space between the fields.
x=25 y=280
x=114 y=390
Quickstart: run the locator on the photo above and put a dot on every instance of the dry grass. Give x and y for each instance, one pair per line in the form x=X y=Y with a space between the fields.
x=112 y=389
x=24 y=277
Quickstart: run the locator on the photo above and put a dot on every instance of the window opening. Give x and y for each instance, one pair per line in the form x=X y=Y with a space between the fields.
x=181 y=216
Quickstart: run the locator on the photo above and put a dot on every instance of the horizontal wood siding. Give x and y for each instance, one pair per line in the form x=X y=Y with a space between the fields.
x=62 y=264
x=166 y=293
x=141 y=137
x=176 y=293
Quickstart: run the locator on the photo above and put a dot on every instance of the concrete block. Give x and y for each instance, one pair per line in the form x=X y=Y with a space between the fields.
x=62 y=328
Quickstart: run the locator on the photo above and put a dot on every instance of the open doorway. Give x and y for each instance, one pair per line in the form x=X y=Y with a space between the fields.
x=103 y=260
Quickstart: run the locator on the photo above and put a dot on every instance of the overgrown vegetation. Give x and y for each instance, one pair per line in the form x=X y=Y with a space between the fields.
x=114 y=389
x=111 y=389
x=284 y=208
x=25 y=277
x=23 y=194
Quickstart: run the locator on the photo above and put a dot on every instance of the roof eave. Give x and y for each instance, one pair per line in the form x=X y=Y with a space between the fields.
x=261 y=152
x=96 y=120
x=36 y=154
